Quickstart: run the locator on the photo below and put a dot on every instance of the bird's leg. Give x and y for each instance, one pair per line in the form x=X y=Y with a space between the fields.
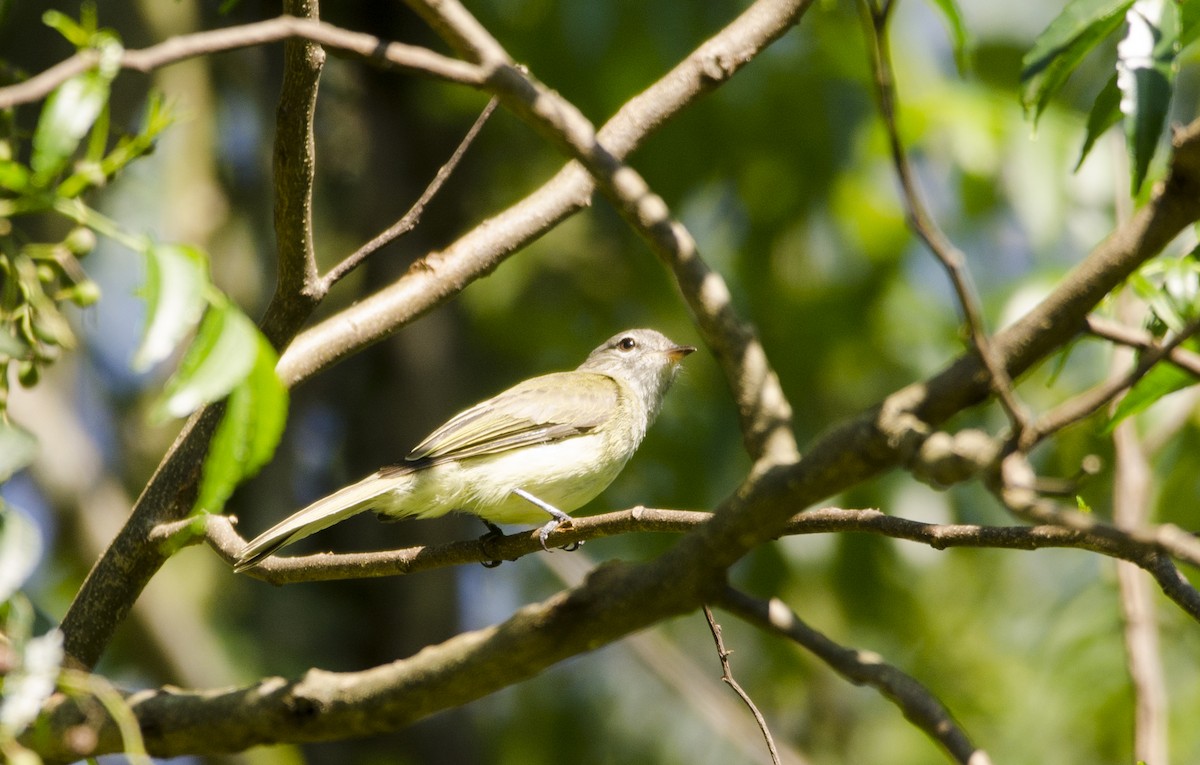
x=557 y=517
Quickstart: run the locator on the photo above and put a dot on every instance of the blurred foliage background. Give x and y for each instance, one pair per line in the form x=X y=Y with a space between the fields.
x=783 y=176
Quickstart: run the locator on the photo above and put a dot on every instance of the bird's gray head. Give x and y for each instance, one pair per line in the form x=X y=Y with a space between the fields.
x=644 y=359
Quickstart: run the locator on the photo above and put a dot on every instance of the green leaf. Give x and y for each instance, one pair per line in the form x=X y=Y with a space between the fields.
x=219 y=358
x=1106 y=112
x=14 y=176
x=17 y=448
x=1160 y=381
x=959 y=35
x=255 y=415
x=20 y=549
x=176 y=281
x=1145 y=76
x=1056 y=53
x=66 y=118
x=1189 y=23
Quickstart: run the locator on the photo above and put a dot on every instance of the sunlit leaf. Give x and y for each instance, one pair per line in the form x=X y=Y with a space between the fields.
x=20 y=549
x=1145 y=74
x=1058 y=50
x=66 y=118
x=17 y=448
x=254 y=419
x=1106 y=112
x=176 y=278
x=28 y=686
x=1162 y=380
x=219 y=358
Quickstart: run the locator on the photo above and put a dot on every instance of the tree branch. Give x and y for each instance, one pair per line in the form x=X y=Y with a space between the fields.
x=409 y=220
x=875 y=25
x=219 y=533
x=915 y=701
x=727 y=677
x=406 y=57
x=1185 y=359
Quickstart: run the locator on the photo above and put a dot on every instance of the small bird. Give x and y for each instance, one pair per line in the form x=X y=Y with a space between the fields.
x=545 y=446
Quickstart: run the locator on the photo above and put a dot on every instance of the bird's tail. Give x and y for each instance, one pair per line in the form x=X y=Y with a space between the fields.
x=319 y=515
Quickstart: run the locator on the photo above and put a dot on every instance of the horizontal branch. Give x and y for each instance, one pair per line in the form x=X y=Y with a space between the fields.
x=220 y=534
x=407 y=57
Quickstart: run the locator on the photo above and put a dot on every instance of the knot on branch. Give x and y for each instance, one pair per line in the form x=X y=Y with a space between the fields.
x=944 y=459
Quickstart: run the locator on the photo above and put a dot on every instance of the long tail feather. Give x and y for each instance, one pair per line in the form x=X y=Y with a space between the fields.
x=321 y=514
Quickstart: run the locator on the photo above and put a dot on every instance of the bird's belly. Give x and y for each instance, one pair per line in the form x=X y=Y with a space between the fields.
x=566 y=474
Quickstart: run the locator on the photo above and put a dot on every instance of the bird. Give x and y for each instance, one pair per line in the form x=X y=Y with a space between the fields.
x=544 y=447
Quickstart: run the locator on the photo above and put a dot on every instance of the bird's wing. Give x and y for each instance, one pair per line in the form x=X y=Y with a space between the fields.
x=532 y=412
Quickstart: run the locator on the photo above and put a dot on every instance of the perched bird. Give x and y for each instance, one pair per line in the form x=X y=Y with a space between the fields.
x=545 y=446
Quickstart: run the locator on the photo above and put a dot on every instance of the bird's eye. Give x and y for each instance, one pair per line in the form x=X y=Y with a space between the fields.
x=627 y=343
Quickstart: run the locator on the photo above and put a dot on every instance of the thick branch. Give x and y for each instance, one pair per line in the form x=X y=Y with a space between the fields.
x=614 y=601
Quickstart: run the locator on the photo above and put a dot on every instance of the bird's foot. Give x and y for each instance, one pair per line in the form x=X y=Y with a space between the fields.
x=494 y=532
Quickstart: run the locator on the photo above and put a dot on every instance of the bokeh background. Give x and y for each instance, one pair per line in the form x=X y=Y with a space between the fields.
x=783 y=177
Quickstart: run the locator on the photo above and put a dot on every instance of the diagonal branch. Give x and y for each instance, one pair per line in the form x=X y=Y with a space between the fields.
x=409 y=220
x=766 y=415
x=875 y=23
x=123 y=571
x=918 y=704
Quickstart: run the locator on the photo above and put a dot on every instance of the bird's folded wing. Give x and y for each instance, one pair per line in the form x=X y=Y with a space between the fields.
x=540 y=410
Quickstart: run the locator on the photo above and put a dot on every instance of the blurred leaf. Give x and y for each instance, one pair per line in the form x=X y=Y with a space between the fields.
x=28 y=686
x=959 y=35
x=1189 y=23
x=1059 y=49
x=77 y=34
x=14 y=176
x=255 y=415
x=11 y=347
x=1106 y=112
x=1145 y=73
x=1171 y=289
x=20 y=549
x=17 y=448
x=176 y=279
x=157 y=119
x=1162 y=380
x=66 y=118
x=219 y=358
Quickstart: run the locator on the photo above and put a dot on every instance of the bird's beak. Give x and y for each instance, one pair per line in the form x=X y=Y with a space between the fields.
x=677 y=353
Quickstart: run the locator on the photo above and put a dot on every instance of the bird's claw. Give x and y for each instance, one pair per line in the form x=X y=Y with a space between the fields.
x=552 y=525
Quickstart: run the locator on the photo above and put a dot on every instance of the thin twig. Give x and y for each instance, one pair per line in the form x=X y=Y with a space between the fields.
x=1088 y=403
x=408 y=57
x=410 y=219
x=1185 y=359
x=916 y=702
x=727 y=677
x=875 y=22
x=1016 y=491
